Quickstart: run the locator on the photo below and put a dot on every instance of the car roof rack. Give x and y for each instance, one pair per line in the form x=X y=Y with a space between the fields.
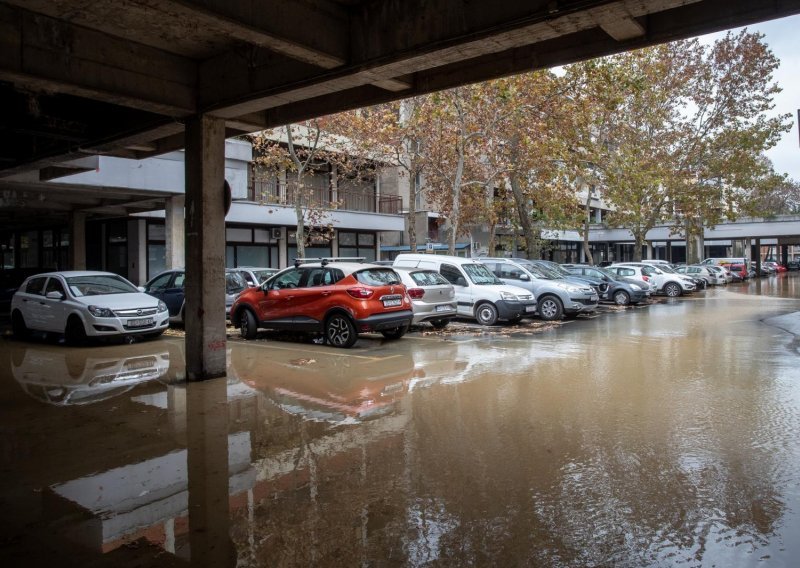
x=328 y=259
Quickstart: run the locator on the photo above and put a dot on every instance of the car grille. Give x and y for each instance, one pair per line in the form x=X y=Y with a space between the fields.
x=134 y=312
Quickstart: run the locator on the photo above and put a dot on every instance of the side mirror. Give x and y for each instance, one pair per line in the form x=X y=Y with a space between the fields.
x=141 y=289
x=55 y=295
x=524 y=277
x=460 y=281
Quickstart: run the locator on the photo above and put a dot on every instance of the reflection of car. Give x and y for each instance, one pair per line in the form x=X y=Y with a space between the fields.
x=64 y=377
x=432 y=297
x=619 y=291
x=338 y=299
x=83 y=304
x=554 y=295
x=255 y=276
x=327 y=389
x=170 y=287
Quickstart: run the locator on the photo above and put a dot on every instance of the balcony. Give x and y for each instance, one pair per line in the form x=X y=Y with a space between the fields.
x=272 y=192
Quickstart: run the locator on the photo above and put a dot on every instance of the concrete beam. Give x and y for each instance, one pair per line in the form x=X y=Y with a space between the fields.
x=43 y=53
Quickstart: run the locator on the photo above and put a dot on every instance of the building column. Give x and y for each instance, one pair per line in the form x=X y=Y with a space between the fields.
x=649 y=248
x=757 y=255
x=205 y=246
x=174 y=231
x=784 y=254
x=77 y=240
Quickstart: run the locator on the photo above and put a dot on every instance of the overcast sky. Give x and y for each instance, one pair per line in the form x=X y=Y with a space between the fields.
x=783 y=38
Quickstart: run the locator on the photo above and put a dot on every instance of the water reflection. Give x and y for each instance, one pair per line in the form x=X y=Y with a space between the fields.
x=667 y=435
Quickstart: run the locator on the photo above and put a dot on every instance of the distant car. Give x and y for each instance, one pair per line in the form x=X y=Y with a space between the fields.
x=619 y=290
x=83 y=304
x=433 y=298
x=170 y=287
x=701 y=273
x=739 y=272
x=599 y=284
x=336 y=299
x=721 y=273
x=255 y=276
x=637 y=273
x=667 y=281
x=793 y=265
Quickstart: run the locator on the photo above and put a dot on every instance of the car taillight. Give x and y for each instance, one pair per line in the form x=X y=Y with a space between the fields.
x=645 y=278
x=416 y=293
x=360 y=293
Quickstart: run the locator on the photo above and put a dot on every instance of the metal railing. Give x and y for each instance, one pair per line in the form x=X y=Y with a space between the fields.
x=271 y=191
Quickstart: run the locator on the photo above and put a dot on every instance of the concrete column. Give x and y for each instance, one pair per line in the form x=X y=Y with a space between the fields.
x=784 y=254
x=77 y=240
x=757 y=255
x=668 y=251
x=174 y=230
x=205 y=246
x=137 y=251
x=649 y=247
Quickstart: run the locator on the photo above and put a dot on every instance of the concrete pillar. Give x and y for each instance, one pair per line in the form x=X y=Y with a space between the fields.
x=784 y=254
x=648 y=250
x=77 y=240
x=174 y=231
x=757 y=255
x=668 y=251
x=205 y=246
x=137 y=251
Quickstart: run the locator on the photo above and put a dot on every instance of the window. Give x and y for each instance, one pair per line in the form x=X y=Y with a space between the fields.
x=509 y=271
x=452 y=275
x=36 y=286
x=428 y=278
x=160 y=283
x=377 y=277
x=54 y=285
x=289 y=279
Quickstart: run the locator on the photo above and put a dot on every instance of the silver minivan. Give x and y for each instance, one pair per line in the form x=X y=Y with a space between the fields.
x=555 y=296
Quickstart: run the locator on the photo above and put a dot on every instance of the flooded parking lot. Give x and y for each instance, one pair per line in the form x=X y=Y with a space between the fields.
x=655 y=436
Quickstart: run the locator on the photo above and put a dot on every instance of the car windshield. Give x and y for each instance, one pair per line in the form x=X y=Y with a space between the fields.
x=234 y=282
x=377 y=277
x=99 y=285
x=555 y=268
x=545 y=272
x=264 y=274
x=479 y=274
x=608 y=273
x=665 y=268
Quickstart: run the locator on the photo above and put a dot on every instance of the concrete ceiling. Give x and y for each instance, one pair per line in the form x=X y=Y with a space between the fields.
x=119 y=77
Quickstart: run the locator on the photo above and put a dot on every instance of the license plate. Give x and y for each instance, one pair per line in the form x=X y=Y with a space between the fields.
x=594 y=298
x=140 y=322
x=390 y=303
x=530 y=309
x=444 y=308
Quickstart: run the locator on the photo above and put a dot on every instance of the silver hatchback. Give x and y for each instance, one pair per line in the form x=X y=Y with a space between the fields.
x=433 y=298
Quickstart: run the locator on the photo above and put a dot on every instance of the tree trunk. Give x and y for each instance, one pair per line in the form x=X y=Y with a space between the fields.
x=456 y=209
x=586 y=222
x=528 y=231
x=411 y=215
x=638 y=238
x=300 y=234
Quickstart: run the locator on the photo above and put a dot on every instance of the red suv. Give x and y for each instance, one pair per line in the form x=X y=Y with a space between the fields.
x=337 y=299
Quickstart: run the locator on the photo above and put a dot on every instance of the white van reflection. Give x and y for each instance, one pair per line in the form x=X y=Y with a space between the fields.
x=65 y=377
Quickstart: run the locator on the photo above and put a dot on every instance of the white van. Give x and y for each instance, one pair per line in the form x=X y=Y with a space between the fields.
x=480 y=295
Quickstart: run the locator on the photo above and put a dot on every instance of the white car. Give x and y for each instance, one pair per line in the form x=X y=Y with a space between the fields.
x=636 y=273
x=668 y=282
x=83 y=304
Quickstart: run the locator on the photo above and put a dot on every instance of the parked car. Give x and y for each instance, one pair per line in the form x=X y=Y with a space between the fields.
x=619 y=290
x=255 y=276
x=667 y=281
x=555 y=297
x=83 y=304
x=644 y=274
x=793 y=265
x=170 y=287
x=600 y=286
x=336 y=299
x=480 y=295
x=739 y=272
x=722 y=274
x=701 y=273
x=433 y=299
x=776 y=267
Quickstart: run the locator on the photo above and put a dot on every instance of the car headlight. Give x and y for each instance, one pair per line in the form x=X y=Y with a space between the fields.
x=508 y=296
x=99 y=312
x=162 y=307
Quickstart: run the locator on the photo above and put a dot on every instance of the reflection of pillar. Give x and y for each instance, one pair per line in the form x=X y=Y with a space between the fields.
x=78 y=240
x=207 y=445
x=205 y=243
x=174 y=232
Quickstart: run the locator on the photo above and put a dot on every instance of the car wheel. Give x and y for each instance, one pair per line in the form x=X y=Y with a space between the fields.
x=74 y=333
x=486 y=314
x=340 y=331
x=18 y=327
x=395 y=333
x=550 y=308
x=672 y=289
x=439 y=324
x=247 y=324
x=622 y=298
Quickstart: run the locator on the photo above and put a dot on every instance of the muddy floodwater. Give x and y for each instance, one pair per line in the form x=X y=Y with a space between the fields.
x=665 y=435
